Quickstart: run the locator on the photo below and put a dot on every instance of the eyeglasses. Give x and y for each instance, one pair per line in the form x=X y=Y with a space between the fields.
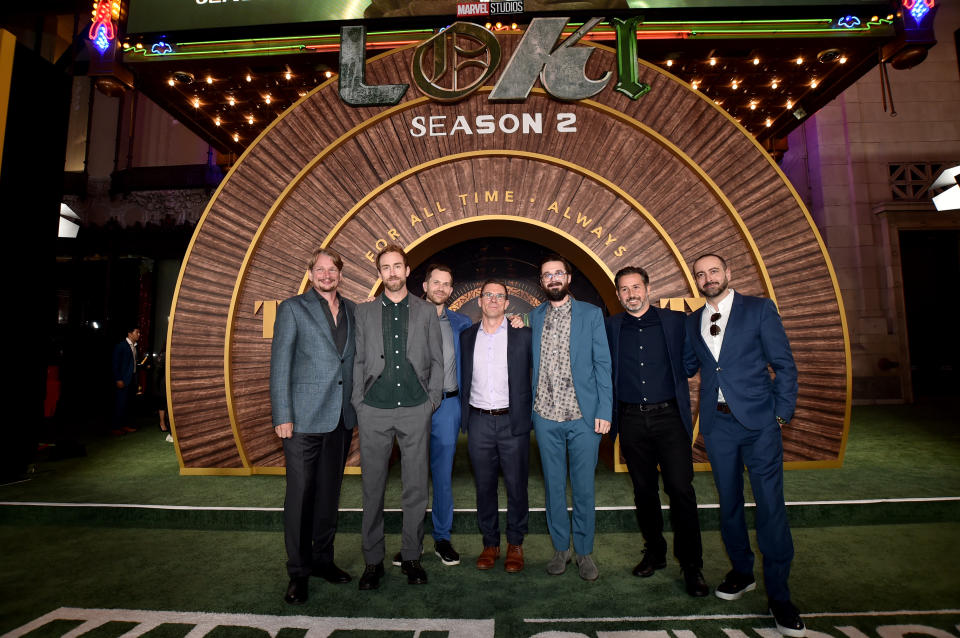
x=714 y=328
x=550 y=276
x=490 y=296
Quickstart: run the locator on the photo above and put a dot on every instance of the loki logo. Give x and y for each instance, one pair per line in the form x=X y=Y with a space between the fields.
x=444 y=82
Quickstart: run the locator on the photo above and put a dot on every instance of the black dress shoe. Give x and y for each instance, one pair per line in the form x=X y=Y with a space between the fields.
x=695 y=583
x=649 y=564
x=414 y=571
x=787 y=618
x=331 y=573
x=297 y=590
x=371 y=576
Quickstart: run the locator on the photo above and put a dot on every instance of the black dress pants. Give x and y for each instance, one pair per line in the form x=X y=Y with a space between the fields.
x=315 y=465
x=649 y=438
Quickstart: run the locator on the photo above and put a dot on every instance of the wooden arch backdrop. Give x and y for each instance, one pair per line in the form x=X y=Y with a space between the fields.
x=652 y=182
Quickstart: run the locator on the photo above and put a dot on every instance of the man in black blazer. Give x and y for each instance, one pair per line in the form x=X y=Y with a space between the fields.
x=652 y=415
x=124 y=378
x=311 y=377
x=497 y=405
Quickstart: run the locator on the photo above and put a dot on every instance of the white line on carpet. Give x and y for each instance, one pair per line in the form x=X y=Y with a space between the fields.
x=869 y=501
x=823 y=614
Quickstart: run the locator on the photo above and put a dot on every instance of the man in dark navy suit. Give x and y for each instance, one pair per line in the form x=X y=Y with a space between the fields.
x=735 y=340
x=124 y=378
x=497 y=404
x=652 y=416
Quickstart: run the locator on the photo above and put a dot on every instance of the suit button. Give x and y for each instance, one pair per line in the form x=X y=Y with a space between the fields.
x=718 y=368
x=339 y=382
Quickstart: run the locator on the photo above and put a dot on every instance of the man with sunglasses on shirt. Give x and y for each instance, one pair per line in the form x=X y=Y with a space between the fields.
x=734 y=340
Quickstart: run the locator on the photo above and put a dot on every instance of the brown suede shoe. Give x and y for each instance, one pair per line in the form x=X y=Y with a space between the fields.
x=488 y=557
x=514 y=561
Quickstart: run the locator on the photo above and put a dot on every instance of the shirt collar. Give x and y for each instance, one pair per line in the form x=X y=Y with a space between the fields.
x=725 y=304
x=500 y=328
x=403 y=302
x=563 y=308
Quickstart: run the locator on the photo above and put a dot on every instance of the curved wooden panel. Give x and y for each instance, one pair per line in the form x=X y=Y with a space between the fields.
x=654 y=182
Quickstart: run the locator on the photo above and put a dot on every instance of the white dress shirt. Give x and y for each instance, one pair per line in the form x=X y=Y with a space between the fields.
x=715 y=343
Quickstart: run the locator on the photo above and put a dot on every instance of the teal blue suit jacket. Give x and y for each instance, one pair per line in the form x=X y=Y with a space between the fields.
x=310 y=382
x=589 y=358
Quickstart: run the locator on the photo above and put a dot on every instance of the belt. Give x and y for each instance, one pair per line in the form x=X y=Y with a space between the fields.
x=497 y=412
x=451 y=393
x=723 y=407
x=648 y=407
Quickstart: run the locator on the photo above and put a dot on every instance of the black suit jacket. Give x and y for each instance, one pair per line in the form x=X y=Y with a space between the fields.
x=674 y=332
x=519 y=360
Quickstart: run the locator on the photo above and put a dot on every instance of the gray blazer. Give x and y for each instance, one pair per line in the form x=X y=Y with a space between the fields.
x=424 y=348
x=310 y=382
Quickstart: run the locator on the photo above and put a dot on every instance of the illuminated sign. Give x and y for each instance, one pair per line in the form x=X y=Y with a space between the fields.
x=102 y=30
x=167 y=16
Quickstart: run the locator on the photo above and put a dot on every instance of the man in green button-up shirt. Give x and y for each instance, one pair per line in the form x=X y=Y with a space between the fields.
x=397 y=384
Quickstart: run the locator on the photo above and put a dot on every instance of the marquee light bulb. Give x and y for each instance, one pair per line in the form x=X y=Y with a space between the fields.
x=171 y=82
x=774 y=84
x=799 y=60
x=713 y=62
x=236 y=138
x=248 y=77
x=231 y=101
x=734 y=85
x=196 y=102
x=209 y=80
x=756 y=61
x=669 y=63
x=217 y=121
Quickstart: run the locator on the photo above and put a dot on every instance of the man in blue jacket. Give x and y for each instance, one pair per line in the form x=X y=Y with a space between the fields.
x=652 y=416
x=735 y=340
x=572 y=409
x=311 y=377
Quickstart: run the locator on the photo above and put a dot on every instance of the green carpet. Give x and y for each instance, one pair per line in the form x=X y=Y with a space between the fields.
x=881 y=568
x=893 y=452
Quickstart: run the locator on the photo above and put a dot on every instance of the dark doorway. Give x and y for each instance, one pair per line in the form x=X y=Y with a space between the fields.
x=514 y=260
x=929 y=259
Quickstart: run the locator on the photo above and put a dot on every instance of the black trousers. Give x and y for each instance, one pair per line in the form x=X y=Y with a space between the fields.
x=494 y=448
x=657 y=437
x=315 y=465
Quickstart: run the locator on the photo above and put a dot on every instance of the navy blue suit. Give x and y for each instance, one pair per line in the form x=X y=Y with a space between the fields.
x=500 y=442
x=652 y=436
x=124 y=369
x=444 y=429
x=749 y=434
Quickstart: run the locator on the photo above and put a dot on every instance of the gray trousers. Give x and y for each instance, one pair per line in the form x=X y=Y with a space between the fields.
x=377 y=427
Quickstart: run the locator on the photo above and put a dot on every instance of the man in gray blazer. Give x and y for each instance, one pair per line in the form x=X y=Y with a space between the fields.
x=397 y=384
x=311 y=376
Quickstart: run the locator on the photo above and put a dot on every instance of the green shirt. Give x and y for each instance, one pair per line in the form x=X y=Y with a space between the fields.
x=397 y=385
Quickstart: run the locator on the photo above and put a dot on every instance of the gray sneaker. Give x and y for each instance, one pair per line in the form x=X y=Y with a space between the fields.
x=558 y=564
x=588 y=569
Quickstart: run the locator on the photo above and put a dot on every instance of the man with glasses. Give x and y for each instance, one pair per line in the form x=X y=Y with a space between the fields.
x=734 y=340
x=571 y=410
x=496 y=415
x=652 y=416
x=311 y=375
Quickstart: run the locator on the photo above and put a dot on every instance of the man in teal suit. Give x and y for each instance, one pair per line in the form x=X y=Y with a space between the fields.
x=311 y=377
x=572 y=408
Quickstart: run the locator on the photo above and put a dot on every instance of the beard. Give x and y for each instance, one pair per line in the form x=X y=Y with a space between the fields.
x=556 y=293
x=633 y=304
x=394 y=284
x=714 y=289
x=437 y=298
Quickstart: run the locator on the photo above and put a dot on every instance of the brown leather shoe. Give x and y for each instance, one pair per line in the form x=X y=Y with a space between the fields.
x=514 y=561
x=488 y=557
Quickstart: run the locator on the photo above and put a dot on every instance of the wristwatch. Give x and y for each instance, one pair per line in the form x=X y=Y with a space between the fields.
x=781 y=420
